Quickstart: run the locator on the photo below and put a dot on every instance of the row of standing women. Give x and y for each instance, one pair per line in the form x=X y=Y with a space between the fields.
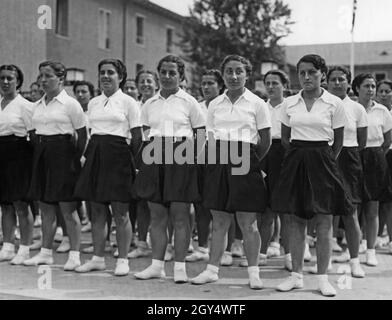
x=321 y=161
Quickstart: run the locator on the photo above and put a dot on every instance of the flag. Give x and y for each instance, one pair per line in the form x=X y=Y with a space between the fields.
x=354 y=12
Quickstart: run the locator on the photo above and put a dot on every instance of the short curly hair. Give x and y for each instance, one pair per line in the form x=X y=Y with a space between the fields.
x=234 y=57
x=317 y=61
x=359 y=79
x=174 y=59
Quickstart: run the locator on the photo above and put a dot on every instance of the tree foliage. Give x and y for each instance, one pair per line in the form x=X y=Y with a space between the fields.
x=251 y=28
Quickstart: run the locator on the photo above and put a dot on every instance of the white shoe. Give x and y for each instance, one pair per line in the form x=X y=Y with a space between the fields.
x=326 y=289
x=116 y=253
x=363 y=246
x=255 y=284
x=180 y=276
x=86 y=228
x=122 y=267
x=91 y=265
x=36 y=245
x=39 y=259
x=19 y=259
x=356 y=270
x=201 y=254
x=291 y=283
x=139 y=252
x=64 y=246
x=169 y=253
x=58 y=237
x=72 y=264
x=335 y=246
x=227 y=259
x=6 y=255
x=371 y=259
x=88 y=249
x=307 y=254
x=237 y=249
x=17 y=234
x=37 y=221
x=206 y=276
x=273 y=250
x=150 y=273
x=343 y=258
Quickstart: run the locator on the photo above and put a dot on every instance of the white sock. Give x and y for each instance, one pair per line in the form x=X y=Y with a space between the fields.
x=253 y=272
x=74 y=255
x=179 y=266
x=120 y=260
x=262 y=256
x=203 y=250
x=212 y=268
x=158 y=264
x=297 y=275
x=287 y=256
x=373 y=251
x=7 y=246
x=98 y=259
x=354 y=260
x=275 y=244
x=322 y=278
x=46 y=252
x=24 y=250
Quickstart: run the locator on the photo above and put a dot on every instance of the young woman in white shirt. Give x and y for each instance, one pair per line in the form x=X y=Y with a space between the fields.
x=384 y=96
x=212 y=85
x=57 y=161
x=172 y=118
x=310 y=184
x=238 y=123
x=147 y=84
x=375 y=167
x=349 y=161
x=15 y=165
x=108 y=173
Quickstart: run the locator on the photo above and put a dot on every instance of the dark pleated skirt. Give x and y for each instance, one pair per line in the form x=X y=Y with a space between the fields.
x=376 y=176
x=350 y=167
x=55 y=169
x=272 y=165
x=108 y=173
x=231 y=191
x=16 y=157
x=387 y=195
x=310 y=183
x=165 y=181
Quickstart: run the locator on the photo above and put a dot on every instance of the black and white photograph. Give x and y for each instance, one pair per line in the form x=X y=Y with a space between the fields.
x=195 y=155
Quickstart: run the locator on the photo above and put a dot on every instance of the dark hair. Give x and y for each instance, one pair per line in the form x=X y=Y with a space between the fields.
x=18 y=72
x=218 y=77
x=284 y=78
x=317 y=61
x=59 y=69
x=84 y=83
x=343 y=69
x=178 y=61
x=235 y=57
x=119 y=66
x=359 y=79
x=385 y=81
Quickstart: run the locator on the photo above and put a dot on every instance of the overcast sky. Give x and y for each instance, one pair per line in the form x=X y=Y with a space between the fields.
x=321 y=21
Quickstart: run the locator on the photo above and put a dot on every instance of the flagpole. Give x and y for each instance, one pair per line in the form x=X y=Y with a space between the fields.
x=352 y=51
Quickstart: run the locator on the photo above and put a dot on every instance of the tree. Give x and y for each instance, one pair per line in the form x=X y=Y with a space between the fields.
x=251 y=28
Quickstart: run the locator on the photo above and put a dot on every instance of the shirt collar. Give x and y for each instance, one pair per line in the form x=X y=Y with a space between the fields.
x=247 y=95
x=114 y=95
x=277 y=106
x=180 y=94
x=61 y=97
x=325 y=96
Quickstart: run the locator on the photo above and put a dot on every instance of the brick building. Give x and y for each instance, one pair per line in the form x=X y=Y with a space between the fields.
x=138 y=32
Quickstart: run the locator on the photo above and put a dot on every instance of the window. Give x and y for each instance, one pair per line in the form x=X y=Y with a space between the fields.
x=140 y=30
x=169 y=40
x=103 y=29
x=73 y=75
x=62 y=17
x=380 y=76
x=139 y=67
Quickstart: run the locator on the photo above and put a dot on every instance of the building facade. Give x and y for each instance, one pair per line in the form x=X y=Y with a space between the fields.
x=82 y=33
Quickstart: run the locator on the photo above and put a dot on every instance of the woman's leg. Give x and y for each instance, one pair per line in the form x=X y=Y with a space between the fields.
x=8 y=224
x=49 y=223
x=98 y=224
x=324 y=232
x=371 y=217
x=179 y=214
x=203 y=220
x=26 y=222
x=143 y=220
x=72 y=222
x=123 y=227
x=266 y=228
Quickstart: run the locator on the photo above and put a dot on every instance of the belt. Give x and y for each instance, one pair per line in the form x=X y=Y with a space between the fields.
x=55 y=137
x=309 y=144
x=169 y=139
